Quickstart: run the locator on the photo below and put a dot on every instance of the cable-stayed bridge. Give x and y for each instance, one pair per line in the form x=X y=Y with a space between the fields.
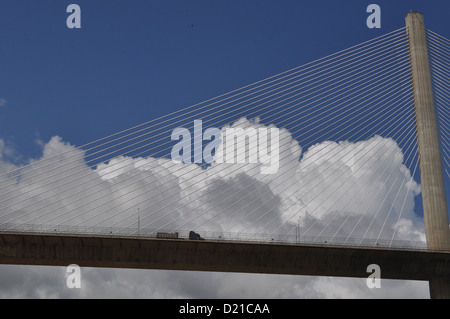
x=346 y=188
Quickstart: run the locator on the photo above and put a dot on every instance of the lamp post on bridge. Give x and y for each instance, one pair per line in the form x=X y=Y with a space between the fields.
x=298 y=230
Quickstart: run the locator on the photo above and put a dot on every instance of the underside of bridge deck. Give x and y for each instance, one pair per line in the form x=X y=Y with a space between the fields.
x=220 y=256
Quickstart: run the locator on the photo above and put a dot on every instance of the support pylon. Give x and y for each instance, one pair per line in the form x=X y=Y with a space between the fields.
x=431 y=173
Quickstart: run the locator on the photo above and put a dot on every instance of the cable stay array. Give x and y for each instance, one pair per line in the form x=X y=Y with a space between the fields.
x=346 y=161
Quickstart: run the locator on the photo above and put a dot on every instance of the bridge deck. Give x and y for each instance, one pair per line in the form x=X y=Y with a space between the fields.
x=219 y=256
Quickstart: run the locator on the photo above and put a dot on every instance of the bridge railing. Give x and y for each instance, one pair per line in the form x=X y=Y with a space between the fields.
x=213 y=236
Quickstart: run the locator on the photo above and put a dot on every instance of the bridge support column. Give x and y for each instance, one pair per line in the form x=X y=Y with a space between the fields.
x=439 y=287
x=431 y=173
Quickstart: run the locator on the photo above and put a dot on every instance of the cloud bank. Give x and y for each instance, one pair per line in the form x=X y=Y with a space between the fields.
x=332 y=189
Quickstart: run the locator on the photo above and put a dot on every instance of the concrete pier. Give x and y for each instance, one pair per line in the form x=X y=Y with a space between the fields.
x=431 y=173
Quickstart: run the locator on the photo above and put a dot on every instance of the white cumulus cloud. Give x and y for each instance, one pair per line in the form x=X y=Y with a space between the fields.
x=332 y=189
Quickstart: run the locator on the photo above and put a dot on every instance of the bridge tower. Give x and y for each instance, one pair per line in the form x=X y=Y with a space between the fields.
x=431 y=173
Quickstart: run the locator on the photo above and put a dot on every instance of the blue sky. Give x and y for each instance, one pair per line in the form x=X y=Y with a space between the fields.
x=133 y=61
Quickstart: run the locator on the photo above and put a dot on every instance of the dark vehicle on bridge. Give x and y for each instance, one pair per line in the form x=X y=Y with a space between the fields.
x=194 y=236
